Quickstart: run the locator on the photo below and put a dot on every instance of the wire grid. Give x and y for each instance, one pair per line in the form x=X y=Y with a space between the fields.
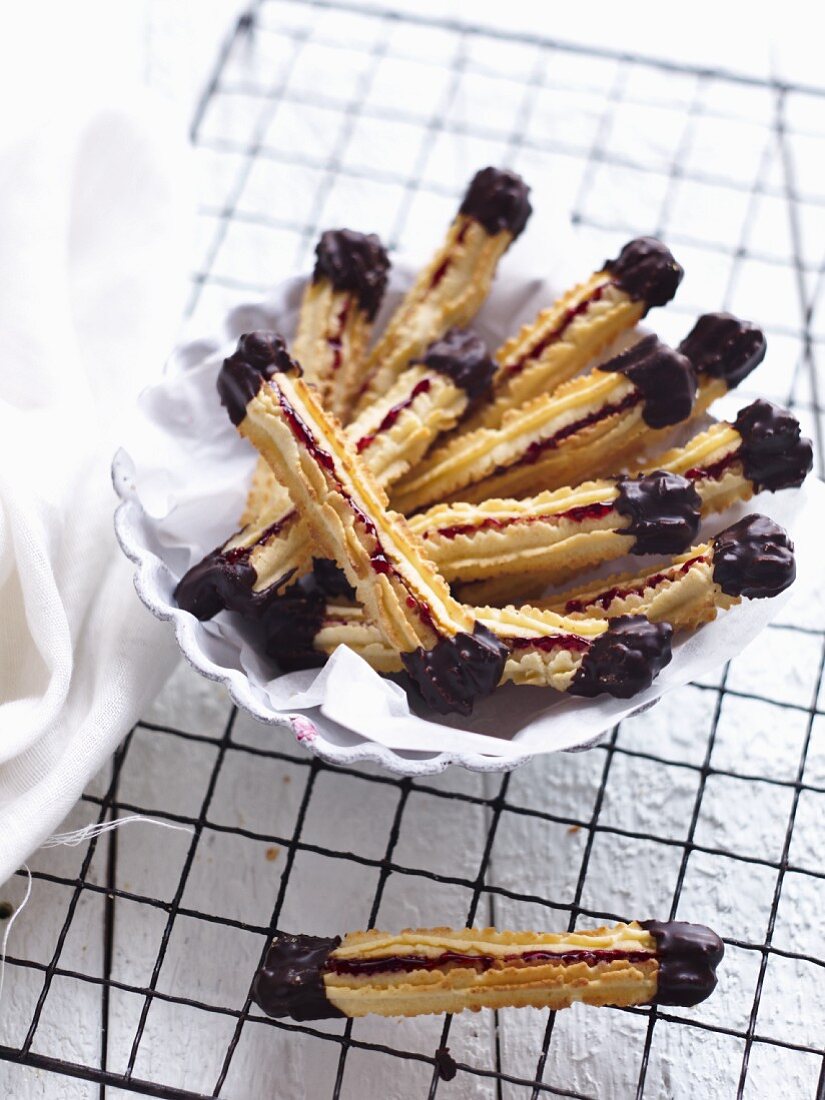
x=300 y=128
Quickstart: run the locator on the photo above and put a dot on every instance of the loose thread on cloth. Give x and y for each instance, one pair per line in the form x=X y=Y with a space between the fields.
x=71 y=840
x=8 y=929
x=78 y=836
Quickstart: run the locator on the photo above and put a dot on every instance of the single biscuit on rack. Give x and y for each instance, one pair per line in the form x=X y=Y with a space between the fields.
x=435 y=970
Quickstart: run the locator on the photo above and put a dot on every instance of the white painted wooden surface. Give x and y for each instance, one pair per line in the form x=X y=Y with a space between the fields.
x=238 y=878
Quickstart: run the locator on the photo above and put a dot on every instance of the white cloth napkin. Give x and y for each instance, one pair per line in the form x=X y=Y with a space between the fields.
x=93 y=234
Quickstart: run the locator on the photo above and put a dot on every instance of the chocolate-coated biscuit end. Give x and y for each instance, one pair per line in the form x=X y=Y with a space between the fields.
x=665 y=378
x=331 y=579
x=721 y=346
x=688 y=955
x=498 y=199
x=775 y=455
x=664 y=511
x=291 y=982
x=625 y=659
x=213 y=583
x=258 y=356
x=290 y=624
x=352 y=261
x=753 y=558
x=457 y=671
x=646 y=270
x=463 y=358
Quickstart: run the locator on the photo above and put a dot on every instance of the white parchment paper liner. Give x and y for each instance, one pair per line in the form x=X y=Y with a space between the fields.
x=182 y=480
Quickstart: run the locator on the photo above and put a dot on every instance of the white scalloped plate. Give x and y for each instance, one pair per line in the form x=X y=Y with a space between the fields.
x=186 y=483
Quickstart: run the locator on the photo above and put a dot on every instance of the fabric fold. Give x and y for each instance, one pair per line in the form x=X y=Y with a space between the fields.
x=94 y=220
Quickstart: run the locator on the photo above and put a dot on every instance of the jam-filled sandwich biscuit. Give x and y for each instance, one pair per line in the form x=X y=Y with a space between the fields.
x=337 y=312
x=274 y=547
x=395 y=432
x=563 y=339
x=450 y=289
x=338 y=308
x=433 y=970
x=647 y=386
x=753 y=558
x=762 y=449
x=557 y=533
x=543 y=648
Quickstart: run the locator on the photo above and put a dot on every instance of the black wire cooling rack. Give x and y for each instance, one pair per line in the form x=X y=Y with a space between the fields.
x=321 y=114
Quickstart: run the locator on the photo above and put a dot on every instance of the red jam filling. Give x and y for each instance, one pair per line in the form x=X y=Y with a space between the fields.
x=550 y=642
x=393 y=414
x=395 y=964
x=446 y=263
x=237 y=554
x=335 y=339
x=575 y=515
x=537 y=449
x=439 y=273
x=714 y=471
x=379 y=561
x=558 y=332
x=605 y=599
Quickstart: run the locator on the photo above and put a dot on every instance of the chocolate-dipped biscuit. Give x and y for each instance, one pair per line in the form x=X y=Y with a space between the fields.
x=205 y=589
x=753 y=558
x=457 y=671
x=258 y=356
x=688 y=956
x=646 y=270
x=664 y=377
x=463 y=358
x=226 y=578
x=625 y=659
x=352 y=261
x=664 y=509
x=498 y=199
x=774 y=453
x=211 y=584
x=290 y=623
x=435 y=970
x=721 y=346
x=331 y=579
x=290 y=982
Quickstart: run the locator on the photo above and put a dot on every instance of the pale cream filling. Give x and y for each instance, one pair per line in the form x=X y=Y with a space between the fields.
x=431 y=943
x=519 y=357
x=480 y=453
